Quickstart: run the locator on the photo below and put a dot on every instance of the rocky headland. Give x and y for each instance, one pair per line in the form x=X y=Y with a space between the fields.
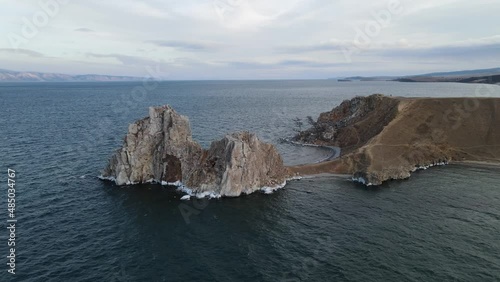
x=384 y=138
x=160 y=148
x=489 y=79
x=381 y=138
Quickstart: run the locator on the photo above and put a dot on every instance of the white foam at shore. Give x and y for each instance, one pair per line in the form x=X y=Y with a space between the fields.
x=419 y=167
x=207 y=194
x=270 y=190
x=112 y=179
x=424 y=167
x=362 y=181
x=108 y=178
x=176 y=183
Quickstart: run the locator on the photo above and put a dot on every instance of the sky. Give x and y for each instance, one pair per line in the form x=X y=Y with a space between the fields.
x=245 y=39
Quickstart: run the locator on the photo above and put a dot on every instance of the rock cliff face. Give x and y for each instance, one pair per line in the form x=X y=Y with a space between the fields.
x=238 y=164
x=352 y=123
x=391 y=137
x=160 y=148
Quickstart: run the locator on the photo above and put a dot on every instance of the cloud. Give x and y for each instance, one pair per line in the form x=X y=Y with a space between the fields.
x=425 y=5
x=310 y=64
x=480 y=48
x=283 y=63
x=147 y=10
x=185 y=45
x=83 y=29
x=472 y=48
x=333 y=45
x=445 y=52
x=243 y=64
x=126 y=59
x=153 y=9
x=255 y=38
x=25 y=52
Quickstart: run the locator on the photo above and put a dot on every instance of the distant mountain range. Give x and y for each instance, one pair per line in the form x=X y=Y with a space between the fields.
x=470 y=73
x=15 y=76
x=489 y=79
x=490 y=76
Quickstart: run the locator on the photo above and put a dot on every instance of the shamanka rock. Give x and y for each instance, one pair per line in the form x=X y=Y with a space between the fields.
x=160 y=148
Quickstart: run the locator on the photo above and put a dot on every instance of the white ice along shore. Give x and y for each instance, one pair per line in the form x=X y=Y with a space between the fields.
x=200 y=195
x=161 y=147
x=364 y=181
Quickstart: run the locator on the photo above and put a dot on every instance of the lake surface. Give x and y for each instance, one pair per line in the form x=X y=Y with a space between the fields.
x=441 y=225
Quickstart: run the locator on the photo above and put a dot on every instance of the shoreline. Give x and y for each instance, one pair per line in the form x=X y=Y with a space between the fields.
x=325 y=173
x=385 y=137
x=335 y=151
x=478 y=163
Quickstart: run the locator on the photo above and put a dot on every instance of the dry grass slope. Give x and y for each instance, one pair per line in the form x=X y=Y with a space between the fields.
x=421 y=132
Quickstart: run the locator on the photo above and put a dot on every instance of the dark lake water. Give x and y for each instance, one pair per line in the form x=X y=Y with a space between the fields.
x=441 y=225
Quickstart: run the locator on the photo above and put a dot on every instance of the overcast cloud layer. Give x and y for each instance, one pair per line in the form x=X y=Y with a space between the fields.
x=254 y=39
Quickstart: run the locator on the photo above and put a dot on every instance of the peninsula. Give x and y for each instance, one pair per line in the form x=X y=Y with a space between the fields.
x=382 y=138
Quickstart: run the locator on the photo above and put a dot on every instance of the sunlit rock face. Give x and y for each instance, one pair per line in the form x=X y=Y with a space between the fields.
x=239 y=163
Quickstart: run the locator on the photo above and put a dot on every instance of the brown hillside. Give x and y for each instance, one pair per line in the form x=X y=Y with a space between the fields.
x=418 y=132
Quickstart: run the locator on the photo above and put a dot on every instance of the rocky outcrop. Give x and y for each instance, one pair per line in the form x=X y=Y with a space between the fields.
x=156 y=148
x=352 y=123
x=396 y=136
x=238 y=164
x=160 y=148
